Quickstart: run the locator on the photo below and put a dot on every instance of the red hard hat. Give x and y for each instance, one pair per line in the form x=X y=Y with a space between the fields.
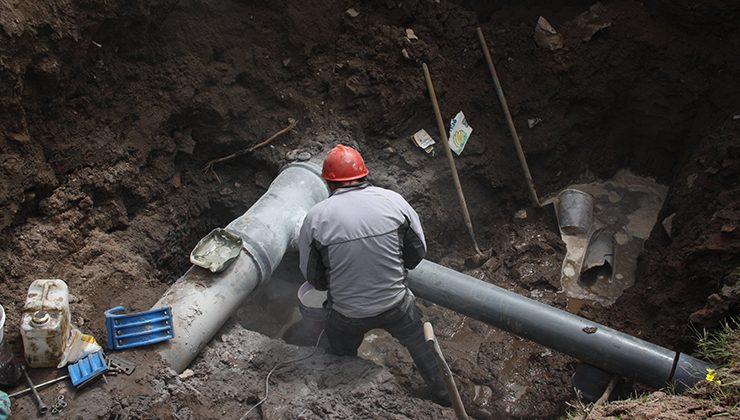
x=343 y=163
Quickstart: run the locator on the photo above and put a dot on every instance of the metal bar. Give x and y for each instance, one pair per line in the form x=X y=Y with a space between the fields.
x=585 y=340
x=509 y=121
x=450 y=158
x=41 y=385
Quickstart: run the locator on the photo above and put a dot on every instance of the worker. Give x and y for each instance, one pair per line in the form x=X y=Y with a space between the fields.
x=358 y=244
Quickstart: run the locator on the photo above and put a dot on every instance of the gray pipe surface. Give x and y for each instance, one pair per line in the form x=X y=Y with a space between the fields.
x=559 y=330
x=202 y=301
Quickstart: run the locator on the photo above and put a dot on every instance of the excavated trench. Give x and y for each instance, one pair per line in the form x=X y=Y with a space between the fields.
x=108 y=117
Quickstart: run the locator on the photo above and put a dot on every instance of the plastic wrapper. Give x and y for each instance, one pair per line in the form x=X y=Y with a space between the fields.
x=78 y=346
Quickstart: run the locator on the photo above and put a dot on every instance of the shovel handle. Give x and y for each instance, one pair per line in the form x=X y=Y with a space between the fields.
x=428 y=332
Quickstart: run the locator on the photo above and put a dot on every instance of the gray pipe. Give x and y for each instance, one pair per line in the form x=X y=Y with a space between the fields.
x=202 y=301
x=587 y=341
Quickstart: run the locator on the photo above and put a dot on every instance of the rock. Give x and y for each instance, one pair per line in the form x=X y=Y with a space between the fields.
x=589 y=23
x=546 y=36
x=668 y=225
x=352 y=13
x=186 y=374
x=521 y=214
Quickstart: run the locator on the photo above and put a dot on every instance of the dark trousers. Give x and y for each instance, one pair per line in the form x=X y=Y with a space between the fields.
x=404 y=323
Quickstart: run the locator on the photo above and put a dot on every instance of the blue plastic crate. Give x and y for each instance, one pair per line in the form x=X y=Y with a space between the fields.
x=87 y=368
x=138 y=329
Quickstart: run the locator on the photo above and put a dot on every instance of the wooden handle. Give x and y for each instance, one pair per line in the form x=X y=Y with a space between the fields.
x=428 y=331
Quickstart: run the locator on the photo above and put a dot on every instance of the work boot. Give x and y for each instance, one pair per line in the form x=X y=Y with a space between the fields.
x=441 y=398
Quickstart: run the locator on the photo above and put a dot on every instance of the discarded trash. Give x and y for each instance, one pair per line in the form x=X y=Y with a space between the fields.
x=186 y=374
x=736 y=117
x=87 y=369
x=216 y=250
x=459 y=133
x=120 y=364
x=410 y=35
x=598 y=263
x=352 y=13
x=10 y=370
x=79 y=345
x=405 y=53
x=45 y=322
x=575 y=211
x=546 y=36
x=424 y=140
x=138 y=329
x=531 y=122
x=521 y=214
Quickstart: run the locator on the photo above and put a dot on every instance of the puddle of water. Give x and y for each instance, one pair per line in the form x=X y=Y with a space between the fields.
x=627 y=205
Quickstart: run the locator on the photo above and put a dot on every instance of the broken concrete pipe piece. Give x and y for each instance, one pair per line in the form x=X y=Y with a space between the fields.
x=559 y=330
x=575 y=211
x=598 y=264
x=546 y=36
x=202 y=301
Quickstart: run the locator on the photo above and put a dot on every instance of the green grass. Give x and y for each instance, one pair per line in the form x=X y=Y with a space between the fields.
x=721 y=346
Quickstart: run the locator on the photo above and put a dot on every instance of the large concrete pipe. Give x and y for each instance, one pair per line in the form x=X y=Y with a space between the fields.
x=202 y=301
x=585 y=340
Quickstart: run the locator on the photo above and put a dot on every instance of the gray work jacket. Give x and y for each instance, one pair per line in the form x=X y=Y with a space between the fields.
x=357 y=244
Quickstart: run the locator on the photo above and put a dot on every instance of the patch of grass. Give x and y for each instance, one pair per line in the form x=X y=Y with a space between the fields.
x=721 y=347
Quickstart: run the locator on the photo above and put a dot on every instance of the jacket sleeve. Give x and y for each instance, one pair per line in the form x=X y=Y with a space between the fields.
x=414 y=245
x=311 y=261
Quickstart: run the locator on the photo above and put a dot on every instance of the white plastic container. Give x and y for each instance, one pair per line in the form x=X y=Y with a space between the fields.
x=45 y=322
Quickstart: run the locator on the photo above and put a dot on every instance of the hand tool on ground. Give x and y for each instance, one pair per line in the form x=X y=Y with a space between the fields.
x=39 y=386
x=40 y=403
x=446 y=147
x=509 y=121
x=446 y=373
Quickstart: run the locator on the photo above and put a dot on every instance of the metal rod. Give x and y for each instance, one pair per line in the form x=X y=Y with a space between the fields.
x=446 y=372
x=450 y=159
x=41 y=385
x=509 y=121
x=593 y=343
x=43 y=408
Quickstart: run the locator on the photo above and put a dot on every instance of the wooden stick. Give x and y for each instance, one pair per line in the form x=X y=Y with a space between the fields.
x=291 y=124
x=450 y=159
x=446 y=372
x=509 y=121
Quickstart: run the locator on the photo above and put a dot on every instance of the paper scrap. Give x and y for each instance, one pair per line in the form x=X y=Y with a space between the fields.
x=424 y=140
x=459 y=133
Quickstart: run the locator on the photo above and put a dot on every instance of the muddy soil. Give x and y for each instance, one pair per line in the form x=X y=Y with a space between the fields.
x=110 y=110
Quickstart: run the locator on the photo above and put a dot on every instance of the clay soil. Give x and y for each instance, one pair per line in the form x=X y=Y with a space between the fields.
x=109 y=110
